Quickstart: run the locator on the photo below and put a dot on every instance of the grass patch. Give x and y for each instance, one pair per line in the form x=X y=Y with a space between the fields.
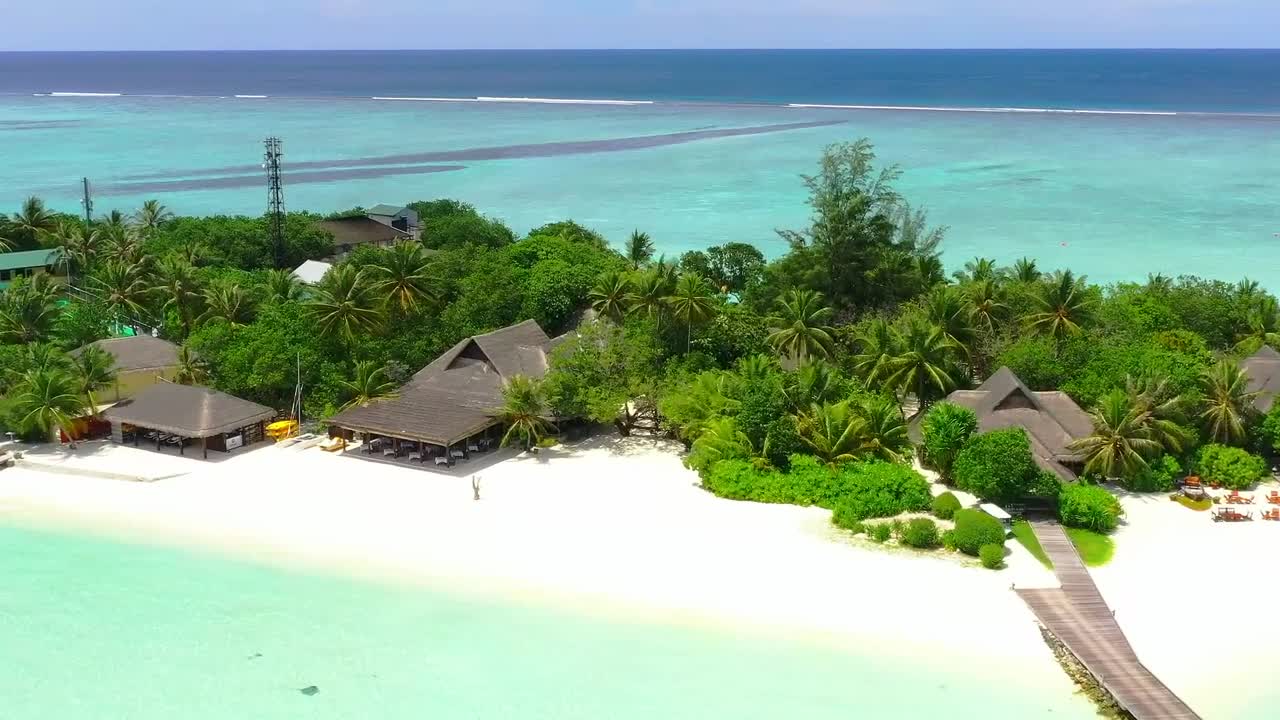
x=1023 y=534
x=1200 y=504
x=1094 y=548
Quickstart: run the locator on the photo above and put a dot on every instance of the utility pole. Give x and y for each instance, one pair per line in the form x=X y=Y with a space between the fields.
x=87 y=202
x=275 y=199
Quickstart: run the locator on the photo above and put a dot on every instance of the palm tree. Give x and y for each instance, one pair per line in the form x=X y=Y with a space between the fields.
x=987 y=305
x=522 y=412
x=176 y=281
x=693 y=301
x=191 y=369
x=122 y=286
x=46 y=400
x=815 y=382
x=343 y=305
x=978 y=269
x=150 y=217
x=1025 y=271
x=649 y=291
x=402 y=277
x=35 y=218
x=282 y=286
x=1263 y=325
x=638 y=250
x=756 y=368
x=28 y=310
x=1063 y=306
x=884 y=432
x=368 y=383
x=924 y=363
x=79 y=247
x=719 y=439
x=1121 y=440
x=946 y=308
x=610 y=295
x=800 y=328
x=228 y=301
x=42 y=356
x=929 y=271
x=94 y=369
x=833 y=432
x=1163 y=411
x=1228 y=403
x=876 y=342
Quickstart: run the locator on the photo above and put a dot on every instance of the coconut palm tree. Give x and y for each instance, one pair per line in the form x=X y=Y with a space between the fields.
x=719 y=439
x=368 y=382
x=43 y=356
x=522 y=412
x=176 y=281
x=79 y=246
x=1228 y=403
x=609 y=297
x=150 y=217
x=1163 y=411
x=929 y=271
x=924 y=363
x=1025 y=271
x=978 y=269
x=988 y=308
x=638 y=250
x=35 y=218
x=282 y=286
x=47 y=401
x=833 y=432
x=946 y=308
x=1121 y=439
x=815 y=382
x=800 y=329
x=1063 y=306
x=94 y=369
x=649 y=291
x=343 y=305
x=876 y=342
x=28 y=310
x=692 y=302
x=1262 y=325
x=228 y=301
x=402 y=277
x=884 y=432
x=122 y=286
x=191 y=369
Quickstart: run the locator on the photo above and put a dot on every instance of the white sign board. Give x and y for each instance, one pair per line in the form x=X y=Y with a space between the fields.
x=235 y=441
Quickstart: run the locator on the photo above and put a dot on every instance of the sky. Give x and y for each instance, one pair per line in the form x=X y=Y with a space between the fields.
x=415 y=24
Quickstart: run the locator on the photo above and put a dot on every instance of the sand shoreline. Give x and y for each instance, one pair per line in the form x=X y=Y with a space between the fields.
x=612 y=527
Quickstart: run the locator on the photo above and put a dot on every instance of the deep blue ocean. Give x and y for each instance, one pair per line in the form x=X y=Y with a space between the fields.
x=1162 y=80
x=1113 y=163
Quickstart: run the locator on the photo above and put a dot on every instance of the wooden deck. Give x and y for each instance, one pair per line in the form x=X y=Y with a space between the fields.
x=1080 y=618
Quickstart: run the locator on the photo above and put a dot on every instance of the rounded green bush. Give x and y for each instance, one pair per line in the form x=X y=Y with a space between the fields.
x=949 y=539
x=1089 y=507
x=920 y=533
x=974 y=529
x=992 y=556
x=1230 y=467
x=880 y=532
x=945 y=505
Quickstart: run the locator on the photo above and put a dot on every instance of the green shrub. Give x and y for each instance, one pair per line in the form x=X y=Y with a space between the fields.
x=855 y=528
x=945 y=505
x=946 y=428
x=949 y=539
x=1159 y=476
x=997 y=466
x=992 y=556
x=880 y=489
x=920 y=533
x=1269 y=432
x=1231 y=467
x=974 y=529
x=1089 y=507
x=880 y=532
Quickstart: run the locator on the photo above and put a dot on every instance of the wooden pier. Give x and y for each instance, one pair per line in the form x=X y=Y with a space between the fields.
x=1080 y=618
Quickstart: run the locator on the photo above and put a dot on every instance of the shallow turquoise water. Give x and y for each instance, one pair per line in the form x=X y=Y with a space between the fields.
x=1115 y=196
x=100 y=630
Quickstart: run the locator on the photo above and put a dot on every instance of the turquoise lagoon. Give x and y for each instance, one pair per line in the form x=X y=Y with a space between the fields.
x=100 y=630
x=1116 y=196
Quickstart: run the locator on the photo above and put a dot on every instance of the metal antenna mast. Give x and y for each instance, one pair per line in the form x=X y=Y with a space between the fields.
x=275 y=200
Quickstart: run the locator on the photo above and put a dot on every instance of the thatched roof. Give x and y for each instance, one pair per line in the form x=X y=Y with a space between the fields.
x=140 y=352
x=1051 y=419
x=459 y=393
x=187 y=410
x=1263 y=369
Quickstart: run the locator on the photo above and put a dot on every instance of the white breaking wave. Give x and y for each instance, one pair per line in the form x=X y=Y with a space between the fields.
x=423 y=99
x=252 y=97
x=563 y=101
x=926 y=108
x=84 y=94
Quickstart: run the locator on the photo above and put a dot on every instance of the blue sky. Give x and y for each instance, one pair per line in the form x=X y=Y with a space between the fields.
x=379 y=24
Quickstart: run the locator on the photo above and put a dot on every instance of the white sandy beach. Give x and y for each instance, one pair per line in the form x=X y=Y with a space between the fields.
x=612 y=525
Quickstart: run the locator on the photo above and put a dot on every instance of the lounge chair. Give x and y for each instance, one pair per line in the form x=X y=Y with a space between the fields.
x=442 y=460
x=1274 y=498
x=1271 y=514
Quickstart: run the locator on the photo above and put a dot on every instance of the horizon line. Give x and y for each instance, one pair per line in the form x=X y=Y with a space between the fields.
x=1186 y=48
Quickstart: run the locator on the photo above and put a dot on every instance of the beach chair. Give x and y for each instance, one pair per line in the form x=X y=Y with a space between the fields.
x=1274 y=498
x=1271 y=514
x=442 y=460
